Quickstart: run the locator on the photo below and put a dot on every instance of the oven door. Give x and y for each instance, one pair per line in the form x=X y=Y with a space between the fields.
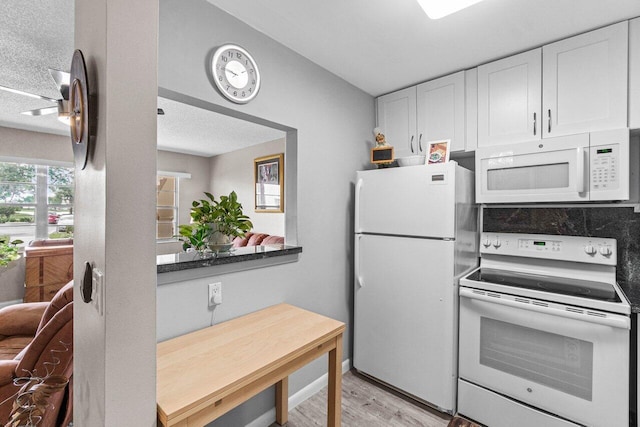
x=569 y=361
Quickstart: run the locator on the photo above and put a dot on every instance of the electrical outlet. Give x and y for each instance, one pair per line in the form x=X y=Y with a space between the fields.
x=215 y=294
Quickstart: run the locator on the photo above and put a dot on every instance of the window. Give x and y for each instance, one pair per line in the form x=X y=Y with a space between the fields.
x=36 y=201
x=167 y=207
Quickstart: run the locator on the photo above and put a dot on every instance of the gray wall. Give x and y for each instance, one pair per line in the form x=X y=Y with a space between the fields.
x=234 y=172
x=334 y=122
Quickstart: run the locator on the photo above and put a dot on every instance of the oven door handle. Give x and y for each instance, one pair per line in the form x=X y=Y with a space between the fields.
x=615 y=321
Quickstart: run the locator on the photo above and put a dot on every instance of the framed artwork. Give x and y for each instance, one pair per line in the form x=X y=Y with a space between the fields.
x=269 y=181
x=438 y=151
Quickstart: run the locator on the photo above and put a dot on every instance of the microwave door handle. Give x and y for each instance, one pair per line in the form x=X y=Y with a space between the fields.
x=580 y=170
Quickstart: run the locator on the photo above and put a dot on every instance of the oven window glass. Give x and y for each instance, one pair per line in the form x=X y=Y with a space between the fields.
x=529 y=177
x=556 y=361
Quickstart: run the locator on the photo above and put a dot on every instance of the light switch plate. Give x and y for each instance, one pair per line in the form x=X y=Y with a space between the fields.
x=97 y=296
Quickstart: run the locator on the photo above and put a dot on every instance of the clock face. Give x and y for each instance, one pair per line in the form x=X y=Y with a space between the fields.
x=236 y=73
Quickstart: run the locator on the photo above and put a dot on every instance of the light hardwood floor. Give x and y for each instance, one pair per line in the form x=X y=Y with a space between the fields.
x=366 y=404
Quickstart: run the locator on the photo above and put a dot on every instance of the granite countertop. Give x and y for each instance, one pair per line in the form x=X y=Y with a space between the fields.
x=632 y=292
x=189 y=260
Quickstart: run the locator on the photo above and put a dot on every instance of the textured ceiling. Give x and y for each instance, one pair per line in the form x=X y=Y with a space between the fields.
x=207 y=132
x=34 y=35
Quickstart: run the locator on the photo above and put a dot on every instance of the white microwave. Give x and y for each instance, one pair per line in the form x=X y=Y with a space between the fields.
x=576 y=168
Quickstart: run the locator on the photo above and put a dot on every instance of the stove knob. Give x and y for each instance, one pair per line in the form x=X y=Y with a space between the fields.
x=496 y=243
x=486 y=242
x=605 y=250
x=590 y=250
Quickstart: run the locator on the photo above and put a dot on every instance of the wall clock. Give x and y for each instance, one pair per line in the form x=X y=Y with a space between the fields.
x=79 y=109
x=236 y=73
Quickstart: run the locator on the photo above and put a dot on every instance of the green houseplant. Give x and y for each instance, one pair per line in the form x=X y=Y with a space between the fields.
x=215 y=223
x=8 y=250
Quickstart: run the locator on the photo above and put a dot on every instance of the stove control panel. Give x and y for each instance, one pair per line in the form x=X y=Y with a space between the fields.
x=595 y=250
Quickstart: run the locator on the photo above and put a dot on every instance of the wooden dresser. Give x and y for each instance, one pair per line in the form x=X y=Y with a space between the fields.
x=49 y=266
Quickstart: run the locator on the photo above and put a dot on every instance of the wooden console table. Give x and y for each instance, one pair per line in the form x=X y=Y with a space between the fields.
x=206 y=373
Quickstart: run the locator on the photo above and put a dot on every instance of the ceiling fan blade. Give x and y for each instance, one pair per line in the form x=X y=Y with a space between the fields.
x=19 y=92
x=41 y=111
x=62 y=79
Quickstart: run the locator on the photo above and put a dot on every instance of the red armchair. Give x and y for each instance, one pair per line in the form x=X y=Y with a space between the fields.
x=50 y=352
x=20 y=322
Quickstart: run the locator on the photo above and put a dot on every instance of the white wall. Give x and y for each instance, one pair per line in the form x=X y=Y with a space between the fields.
x=334 y=122
x=115 y=352
x=234 y=172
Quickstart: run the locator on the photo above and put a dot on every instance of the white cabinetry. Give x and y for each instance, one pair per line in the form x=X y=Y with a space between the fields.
x=509 y=99
x=585 y=82
x=397 y=120
x=441 y=111
x=434 y=110
x=634 y=74
x=572 y=86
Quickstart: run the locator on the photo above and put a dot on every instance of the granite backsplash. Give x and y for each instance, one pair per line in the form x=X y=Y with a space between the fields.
x=621 y=224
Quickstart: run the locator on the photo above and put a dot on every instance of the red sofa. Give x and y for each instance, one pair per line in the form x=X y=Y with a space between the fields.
x=257 y=239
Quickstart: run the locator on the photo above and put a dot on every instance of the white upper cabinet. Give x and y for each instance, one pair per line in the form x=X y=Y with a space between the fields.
x=509 y=99
x=634 y=78
x=572 y=86
x=441 y=111
x=585 y=82
x=397 y=121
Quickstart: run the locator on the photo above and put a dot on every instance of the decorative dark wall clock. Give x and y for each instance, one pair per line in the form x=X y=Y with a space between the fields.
x=79 y=117
x=236 y=73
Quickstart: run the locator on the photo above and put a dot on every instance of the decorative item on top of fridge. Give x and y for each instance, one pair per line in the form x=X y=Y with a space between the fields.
x=438 y=151
x=382 y=154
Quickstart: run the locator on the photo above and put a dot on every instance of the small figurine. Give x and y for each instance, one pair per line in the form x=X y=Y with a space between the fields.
x=380 y=140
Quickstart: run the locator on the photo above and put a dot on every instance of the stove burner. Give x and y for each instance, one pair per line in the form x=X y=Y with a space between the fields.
x=558 y=285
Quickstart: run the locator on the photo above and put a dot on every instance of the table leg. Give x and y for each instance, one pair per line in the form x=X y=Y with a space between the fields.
x=282 y=401
x=334 y=395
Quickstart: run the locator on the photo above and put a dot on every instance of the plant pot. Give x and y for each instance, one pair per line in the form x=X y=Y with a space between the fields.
x=219 y=242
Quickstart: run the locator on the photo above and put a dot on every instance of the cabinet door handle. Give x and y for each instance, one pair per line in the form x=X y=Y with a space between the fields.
x=549 y=114
x=535 y=122
x=420 y=143
x=411 y=143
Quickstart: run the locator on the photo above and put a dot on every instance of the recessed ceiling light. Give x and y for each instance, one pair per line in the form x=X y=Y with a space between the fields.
x=436 y=9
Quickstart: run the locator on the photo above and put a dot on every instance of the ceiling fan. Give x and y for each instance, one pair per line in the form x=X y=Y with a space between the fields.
x=61 y=79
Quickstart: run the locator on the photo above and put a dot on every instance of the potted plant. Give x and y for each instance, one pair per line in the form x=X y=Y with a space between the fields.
x=8 y=250
x=215 y=223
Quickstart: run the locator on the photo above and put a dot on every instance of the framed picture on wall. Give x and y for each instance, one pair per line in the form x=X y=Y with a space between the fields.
x=269 y=180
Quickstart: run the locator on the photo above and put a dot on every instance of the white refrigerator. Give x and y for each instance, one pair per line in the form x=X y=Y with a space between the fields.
x=415 y=236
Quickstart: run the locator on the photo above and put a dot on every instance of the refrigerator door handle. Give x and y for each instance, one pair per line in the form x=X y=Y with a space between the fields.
x=356 y=254
x=357 y=205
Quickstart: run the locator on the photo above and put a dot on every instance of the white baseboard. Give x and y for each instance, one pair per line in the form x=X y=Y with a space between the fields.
x=269 y=417
x=7 y=303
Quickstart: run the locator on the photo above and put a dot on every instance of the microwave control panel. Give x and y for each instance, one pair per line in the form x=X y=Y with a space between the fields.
x=605 y=167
